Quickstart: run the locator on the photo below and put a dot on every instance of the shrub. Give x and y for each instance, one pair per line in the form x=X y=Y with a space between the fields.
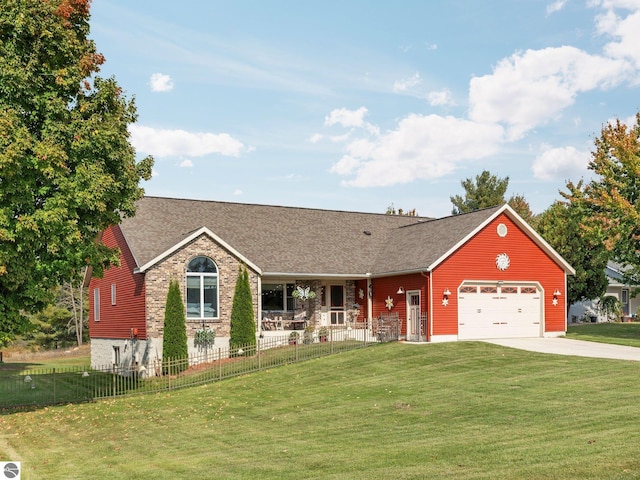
x=174 y=338
x=243 y=327
x=308 y=335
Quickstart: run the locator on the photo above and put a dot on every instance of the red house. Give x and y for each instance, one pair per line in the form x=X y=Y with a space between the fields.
x=485 y=274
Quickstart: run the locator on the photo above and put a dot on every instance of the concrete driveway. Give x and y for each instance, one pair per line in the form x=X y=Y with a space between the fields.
x=565 y=346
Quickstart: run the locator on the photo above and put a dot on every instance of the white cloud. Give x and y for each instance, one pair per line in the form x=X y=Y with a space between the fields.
x=346 y=118
x=340 y=138
x=625 y=31
x=407 y=83
x=556 y=6
x=160 y=82
x=315 y=138
x=527 y=89
x=443 y=97
x=186 y=163
x=431 y=46
x=237 y=192
x=421 y=147
x=166 y=143
x=561 y=164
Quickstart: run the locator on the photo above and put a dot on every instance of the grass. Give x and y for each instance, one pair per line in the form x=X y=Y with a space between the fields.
x=24 y=363
x=462 y=410
x=616 y=333
x=54 y=385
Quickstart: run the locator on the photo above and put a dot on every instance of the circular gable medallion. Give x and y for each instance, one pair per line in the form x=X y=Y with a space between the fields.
x=502 y=230
x=503 y=261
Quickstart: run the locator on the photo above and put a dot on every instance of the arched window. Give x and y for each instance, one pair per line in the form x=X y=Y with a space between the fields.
x=202 y=289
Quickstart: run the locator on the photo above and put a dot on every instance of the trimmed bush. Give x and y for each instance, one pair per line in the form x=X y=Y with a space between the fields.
x=243 y=326
x=174 y=338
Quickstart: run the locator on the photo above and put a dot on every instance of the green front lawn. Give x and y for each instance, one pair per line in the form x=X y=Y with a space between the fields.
x=617 y=333
x=462 y=410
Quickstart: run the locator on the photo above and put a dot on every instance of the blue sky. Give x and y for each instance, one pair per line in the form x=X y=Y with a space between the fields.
x=357 y=105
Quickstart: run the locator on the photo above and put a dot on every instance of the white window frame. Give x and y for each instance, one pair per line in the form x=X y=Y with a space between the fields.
x=96 y=304
x=201 y=276
x=113 y=294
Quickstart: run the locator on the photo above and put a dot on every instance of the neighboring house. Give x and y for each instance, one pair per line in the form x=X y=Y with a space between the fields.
x=588 y=309
x=484 y=274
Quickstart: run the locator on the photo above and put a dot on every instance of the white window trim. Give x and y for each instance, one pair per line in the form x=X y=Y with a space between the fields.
x=96 y=304
x=201 y=276
x=113 y=294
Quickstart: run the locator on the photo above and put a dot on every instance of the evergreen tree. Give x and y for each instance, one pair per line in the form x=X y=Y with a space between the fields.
x=487 y=191
x=174 y=339
x=243 y=327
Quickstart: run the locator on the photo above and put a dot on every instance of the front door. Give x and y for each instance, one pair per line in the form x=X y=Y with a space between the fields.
x=413 y=316
x=336 y=304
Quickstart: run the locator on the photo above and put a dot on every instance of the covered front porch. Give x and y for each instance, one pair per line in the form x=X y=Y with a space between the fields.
x=294 y=305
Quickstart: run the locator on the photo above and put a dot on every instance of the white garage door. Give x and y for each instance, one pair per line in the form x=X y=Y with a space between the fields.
x=507 y=311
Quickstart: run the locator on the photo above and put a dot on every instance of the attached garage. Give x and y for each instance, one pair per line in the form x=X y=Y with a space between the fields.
x=499 y=310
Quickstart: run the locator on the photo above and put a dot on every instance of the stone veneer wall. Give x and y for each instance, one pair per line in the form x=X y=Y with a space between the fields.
x=175 y=266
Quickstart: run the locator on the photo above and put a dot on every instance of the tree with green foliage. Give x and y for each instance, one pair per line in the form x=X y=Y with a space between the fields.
x=612 y=198
x=391 y=210
x=522 y=208
x=486 y=191
x=63 y=321
x=243 y=326
x=174 y=336
x=561 y=226
x=68 y=168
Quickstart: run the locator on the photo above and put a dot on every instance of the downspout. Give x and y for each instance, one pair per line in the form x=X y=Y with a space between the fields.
x=430 y=294
x=259 y=302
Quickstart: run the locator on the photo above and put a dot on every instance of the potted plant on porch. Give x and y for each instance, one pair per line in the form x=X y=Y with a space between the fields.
x=323 y=334
x=293 y=338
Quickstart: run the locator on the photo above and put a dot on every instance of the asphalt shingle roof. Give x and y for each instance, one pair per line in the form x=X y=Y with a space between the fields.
x=276 y=239
x=289 y=240
x=417 y=246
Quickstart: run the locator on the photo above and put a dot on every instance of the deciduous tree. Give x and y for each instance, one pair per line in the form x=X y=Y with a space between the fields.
x=612 y=198
x=561 y=225
x=67 y=167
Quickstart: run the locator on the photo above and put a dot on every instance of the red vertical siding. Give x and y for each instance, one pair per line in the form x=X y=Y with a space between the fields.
x=361 y=285
x=476 y=260
x=117 y=321
x=388 y=287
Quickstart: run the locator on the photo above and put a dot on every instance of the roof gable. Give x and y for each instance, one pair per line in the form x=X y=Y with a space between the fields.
x=422 y=247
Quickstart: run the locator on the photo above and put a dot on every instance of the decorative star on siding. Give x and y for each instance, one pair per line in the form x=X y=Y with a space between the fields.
x=361 y=293
x=554 y=302
x=389 y=302
x=445 y=302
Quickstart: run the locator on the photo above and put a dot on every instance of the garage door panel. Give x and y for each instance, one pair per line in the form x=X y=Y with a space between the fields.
x=491 y=315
